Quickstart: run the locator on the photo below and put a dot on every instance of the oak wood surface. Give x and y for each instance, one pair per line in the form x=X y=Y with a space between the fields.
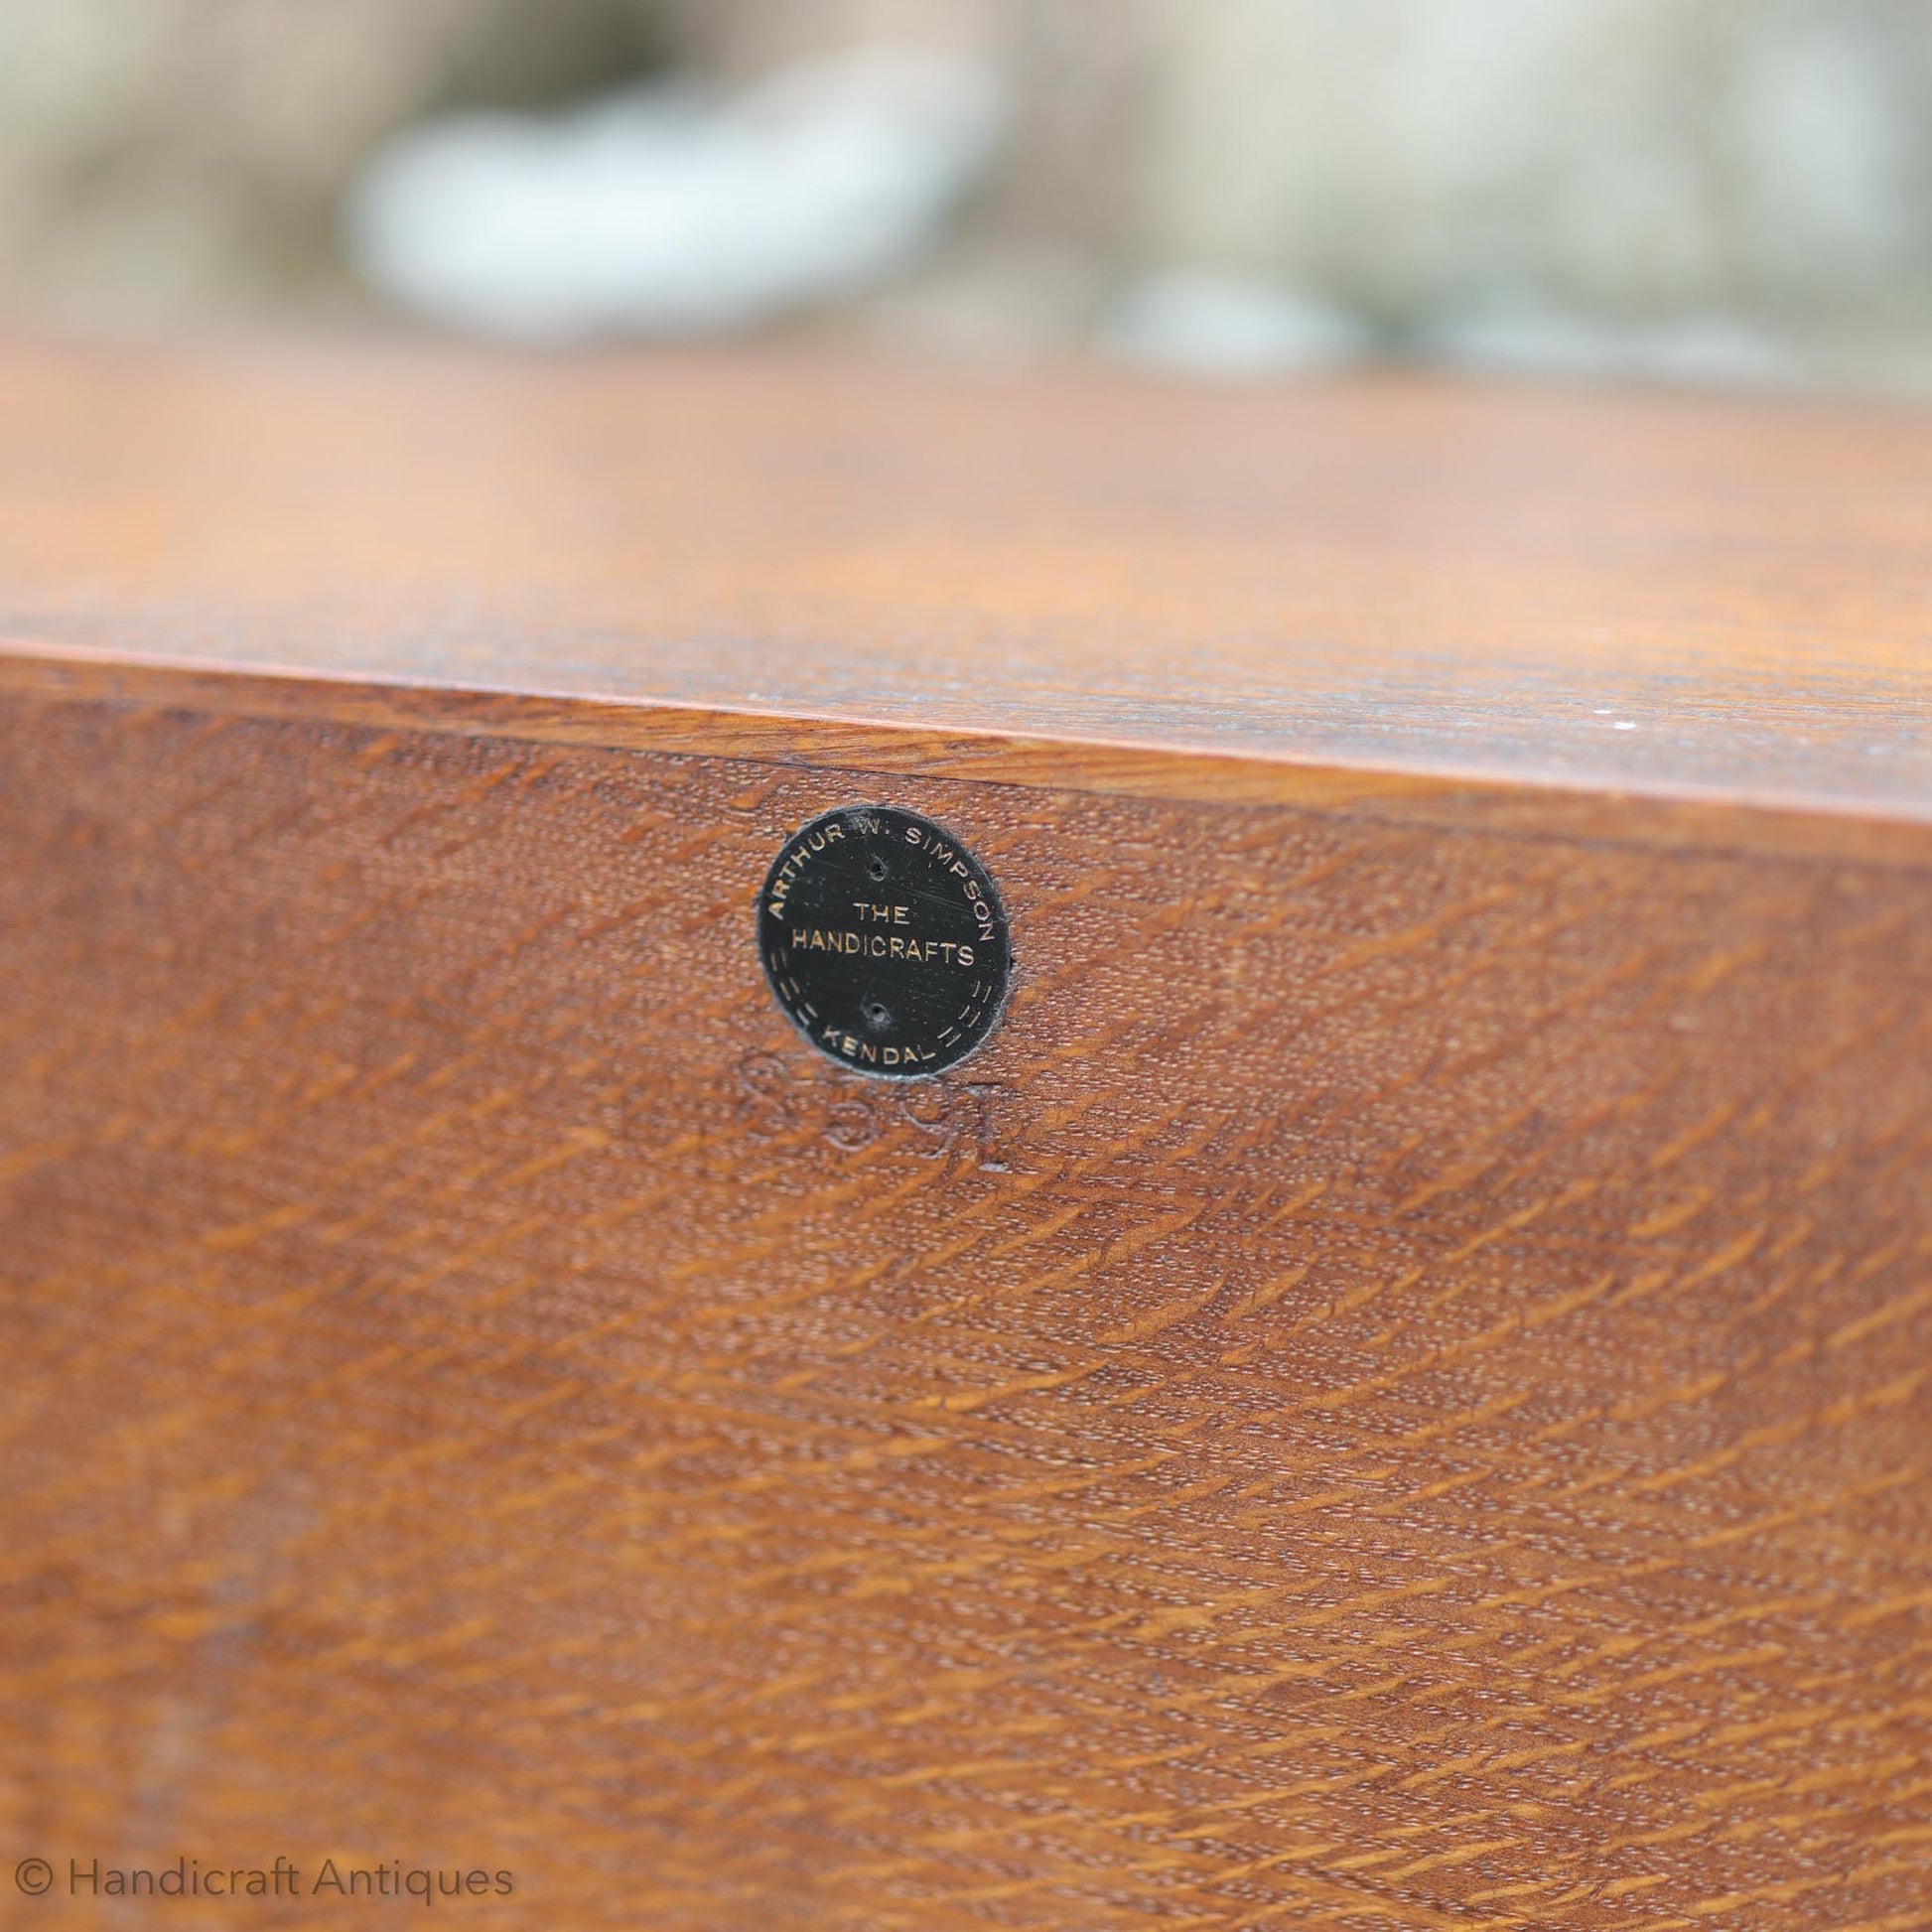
x=1395 y=1393
x=1667 y=594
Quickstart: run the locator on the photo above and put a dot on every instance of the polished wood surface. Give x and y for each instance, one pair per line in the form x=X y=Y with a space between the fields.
x=1395 y=1393
x=1664 y=594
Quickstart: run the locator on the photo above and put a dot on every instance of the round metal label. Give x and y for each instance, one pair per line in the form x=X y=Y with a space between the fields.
x=884 y=941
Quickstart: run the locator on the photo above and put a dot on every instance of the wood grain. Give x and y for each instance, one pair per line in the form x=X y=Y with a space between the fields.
x=1678 y=597
x=1393 y=1395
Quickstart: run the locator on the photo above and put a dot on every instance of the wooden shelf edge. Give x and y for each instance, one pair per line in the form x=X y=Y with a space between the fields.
x=1473 y=801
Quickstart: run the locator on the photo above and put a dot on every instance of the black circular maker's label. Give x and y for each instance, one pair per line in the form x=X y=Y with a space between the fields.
x=884 y=941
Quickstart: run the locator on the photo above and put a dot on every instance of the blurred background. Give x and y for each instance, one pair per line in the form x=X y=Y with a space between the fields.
x=1732 y=191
